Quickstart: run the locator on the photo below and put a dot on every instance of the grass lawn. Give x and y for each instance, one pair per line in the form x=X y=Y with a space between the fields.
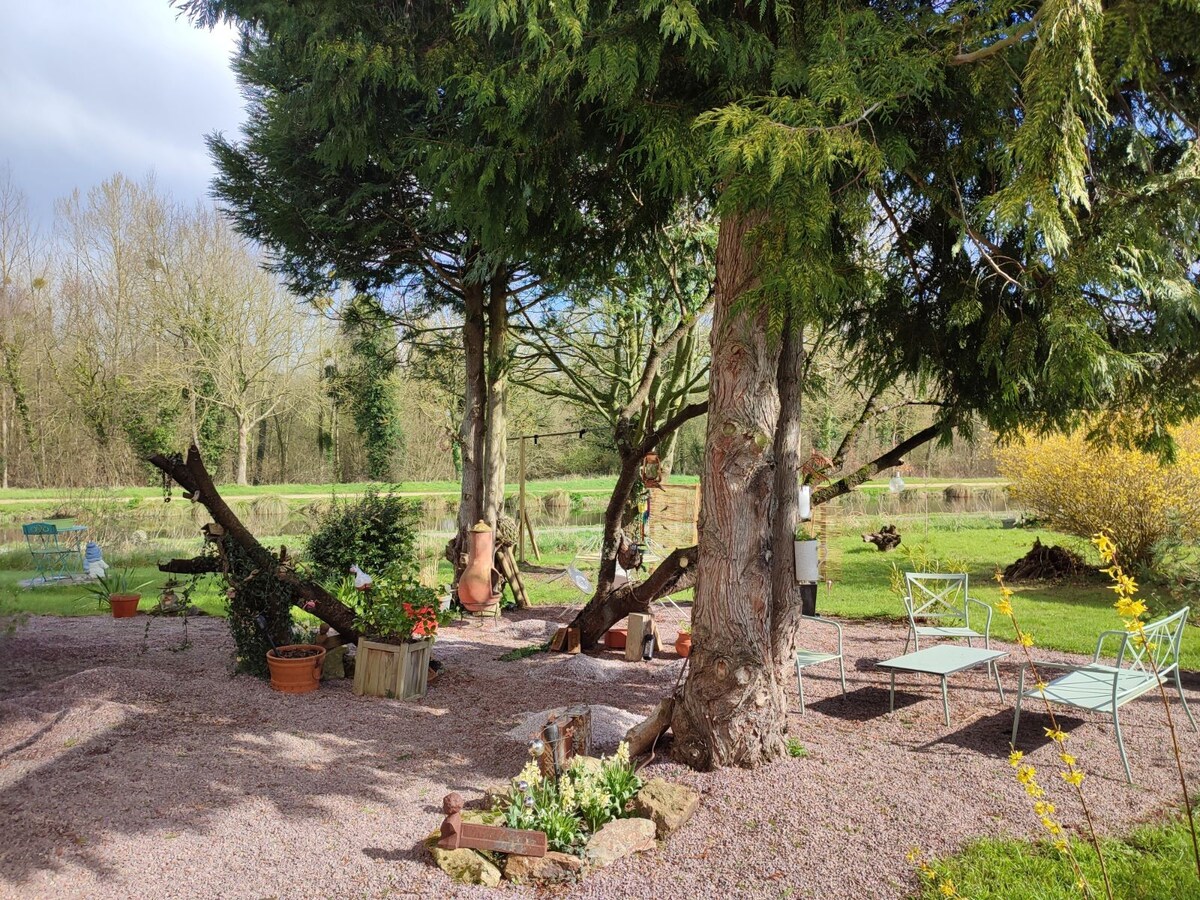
x=1063 y=617
x=72 y=600
x=1153 y=862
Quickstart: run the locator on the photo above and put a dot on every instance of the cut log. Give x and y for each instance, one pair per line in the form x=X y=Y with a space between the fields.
x=885 y=539
x=641 y=737
x=640 y=625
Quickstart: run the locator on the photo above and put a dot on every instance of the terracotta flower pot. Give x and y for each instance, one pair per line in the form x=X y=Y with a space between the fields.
x=123 y=606
x=614 y=638
x=296 y=675
x=683 y=644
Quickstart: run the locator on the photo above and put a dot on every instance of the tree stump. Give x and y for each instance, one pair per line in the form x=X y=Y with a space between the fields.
x=885 y=539
x=565 y=736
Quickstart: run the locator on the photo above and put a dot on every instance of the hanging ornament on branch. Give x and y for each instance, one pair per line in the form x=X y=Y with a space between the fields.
x=651 y=470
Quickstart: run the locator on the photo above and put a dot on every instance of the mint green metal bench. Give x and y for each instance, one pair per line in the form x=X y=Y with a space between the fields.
x=805 y=658
x=1097 y=687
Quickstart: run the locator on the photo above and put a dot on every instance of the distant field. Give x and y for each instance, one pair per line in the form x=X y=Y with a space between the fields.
x=597 y=485
x=600 y=484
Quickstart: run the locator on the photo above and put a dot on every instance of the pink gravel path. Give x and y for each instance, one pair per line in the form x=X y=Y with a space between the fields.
x=157 y=774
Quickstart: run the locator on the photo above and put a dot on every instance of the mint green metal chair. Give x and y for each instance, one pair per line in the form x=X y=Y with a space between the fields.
x=936 y=602
x=805 y=658
x=1098 y=687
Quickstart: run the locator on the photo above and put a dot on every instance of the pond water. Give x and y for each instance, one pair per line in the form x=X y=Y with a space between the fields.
x=117 y=522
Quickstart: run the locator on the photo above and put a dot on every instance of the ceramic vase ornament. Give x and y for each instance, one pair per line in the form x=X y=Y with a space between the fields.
x=477 y=584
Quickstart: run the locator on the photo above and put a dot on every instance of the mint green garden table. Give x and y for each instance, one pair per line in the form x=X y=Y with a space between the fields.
x=942 y=660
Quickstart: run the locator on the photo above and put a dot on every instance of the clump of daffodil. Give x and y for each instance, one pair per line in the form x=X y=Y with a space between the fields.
x=931 y=876
x=1070 y=773
x=1131 y=610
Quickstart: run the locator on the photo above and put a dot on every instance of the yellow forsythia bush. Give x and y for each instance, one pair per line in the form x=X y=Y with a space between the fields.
x=1084 y=490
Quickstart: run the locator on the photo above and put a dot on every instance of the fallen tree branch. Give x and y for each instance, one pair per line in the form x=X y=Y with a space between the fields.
x=891 y=458
x=194 y=478
x=675 y=573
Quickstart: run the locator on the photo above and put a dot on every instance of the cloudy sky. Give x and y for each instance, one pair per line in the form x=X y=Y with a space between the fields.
x=93 y=87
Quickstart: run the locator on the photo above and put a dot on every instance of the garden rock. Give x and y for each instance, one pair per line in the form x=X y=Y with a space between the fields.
x=618 y=839
x=335 y=663
x=463 y=865
x=554 y=867
x=609 y=725
x=667 y=804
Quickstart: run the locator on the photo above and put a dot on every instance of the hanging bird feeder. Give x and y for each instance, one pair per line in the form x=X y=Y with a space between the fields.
x=651 y=470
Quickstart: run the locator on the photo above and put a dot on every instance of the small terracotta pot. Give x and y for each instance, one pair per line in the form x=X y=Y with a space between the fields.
x=296 y=676
x=123 y=606
x=614 y=638
x=683 y=644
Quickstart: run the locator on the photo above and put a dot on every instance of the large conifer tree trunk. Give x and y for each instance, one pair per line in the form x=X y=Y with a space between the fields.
x=495 y=445
x=470 y=507
x=732 y=709
x=484 y=432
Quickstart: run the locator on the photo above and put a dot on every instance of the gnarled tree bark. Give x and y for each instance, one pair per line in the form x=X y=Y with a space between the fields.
x=732 y=709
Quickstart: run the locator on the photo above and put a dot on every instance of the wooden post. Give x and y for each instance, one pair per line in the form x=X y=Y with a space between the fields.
x=508 y=567
x=521 y=504
x=532 y=539
x=639 y=626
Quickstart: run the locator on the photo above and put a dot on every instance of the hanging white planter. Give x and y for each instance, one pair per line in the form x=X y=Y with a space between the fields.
x=807 y=566
x=805 y=503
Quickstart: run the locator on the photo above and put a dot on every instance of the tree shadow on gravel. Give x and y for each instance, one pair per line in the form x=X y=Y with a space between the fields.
x=863 y=704
x=189 y=752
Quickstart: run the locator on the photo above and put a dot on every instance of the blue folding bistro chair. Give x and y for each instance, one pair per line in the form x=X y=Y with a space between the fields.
x=51 y=557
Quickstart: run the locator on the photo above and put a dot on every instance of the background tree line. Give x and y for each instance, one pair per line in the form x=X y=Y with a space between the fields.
x=134 y=325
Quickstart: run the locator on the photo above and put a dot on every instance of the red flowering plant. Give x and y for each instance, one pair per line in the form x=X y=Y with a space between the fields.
x=395 y=609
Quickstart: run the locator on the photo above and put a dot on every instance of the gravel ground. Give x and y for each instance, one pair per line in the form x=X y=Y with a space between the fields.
x=157 y=774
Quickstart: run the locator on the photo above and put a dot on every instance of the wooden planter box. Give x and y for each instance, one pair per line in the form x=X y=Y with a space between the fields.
x=400 y=671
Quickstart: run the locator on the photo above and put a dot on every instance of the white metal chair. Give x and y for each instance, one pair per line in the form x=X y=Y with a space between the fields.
x=935 y=601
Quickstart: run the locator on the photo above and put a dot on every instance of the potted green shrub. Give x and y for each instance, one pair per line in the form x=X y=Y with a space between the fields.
x=114 y=591
x=806 y=545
